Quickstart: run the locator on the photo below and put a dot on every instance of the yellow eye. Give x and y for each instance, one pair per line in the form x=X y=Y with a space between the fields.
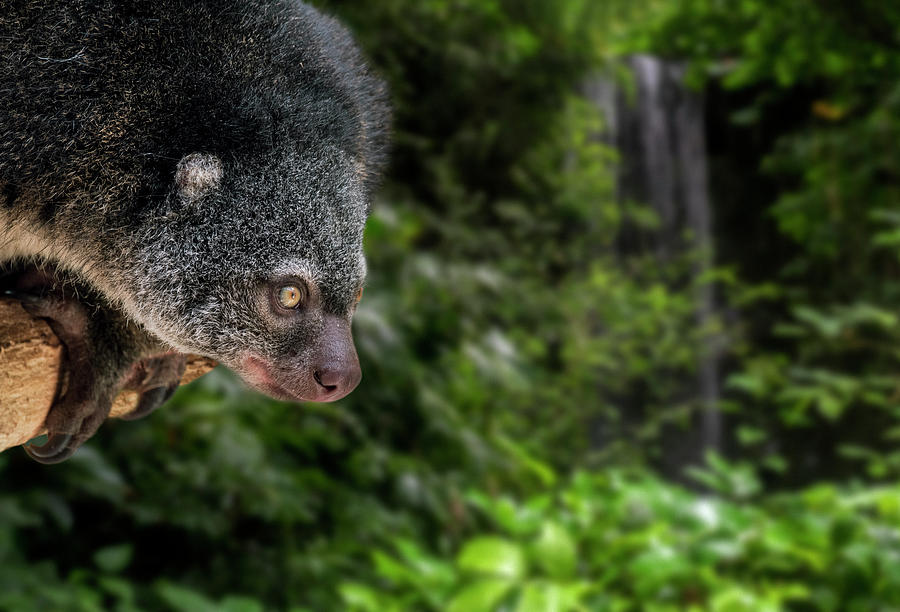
x=290 y=296
x=359 y=295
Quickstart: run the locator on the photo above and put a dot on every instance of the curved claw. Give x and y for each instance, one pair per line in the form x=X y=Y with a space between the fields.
x=150 y=401
x=56 y=449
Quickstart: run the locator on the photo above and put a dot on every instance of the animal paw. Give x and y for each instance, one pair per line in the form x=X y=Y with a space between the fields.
x=84 y=398
x=72 y=420
x=104 y=354
x=156 y=378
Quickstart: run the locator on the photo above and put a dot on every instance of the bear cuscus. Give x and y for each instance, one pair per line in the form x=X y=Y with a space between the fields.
x=185 y=177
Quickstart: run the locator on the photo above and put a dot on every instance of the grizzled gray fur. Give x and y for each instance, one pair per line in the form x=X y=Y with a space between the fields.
x=184 y=161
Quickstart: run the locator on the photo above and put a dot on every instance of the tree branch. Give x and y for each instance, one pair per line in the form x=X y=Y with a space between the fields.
x=30 y=357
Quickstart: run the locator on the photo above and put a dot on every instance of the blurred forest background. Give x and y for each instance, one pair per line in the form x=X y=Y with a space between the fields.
x=630 y=342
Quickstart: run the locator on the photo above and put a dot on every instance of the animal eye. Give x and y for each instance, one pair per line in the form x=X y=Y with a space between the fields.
x=290 y=296
x=359 y=295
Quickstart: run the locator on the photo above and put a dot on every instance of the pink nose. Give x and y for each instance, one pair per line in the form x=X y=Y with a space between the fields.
x=335 y=382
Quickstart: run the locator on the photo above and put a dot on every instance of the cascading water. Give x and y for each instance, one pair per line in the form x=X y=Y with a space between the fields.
x=660 y=134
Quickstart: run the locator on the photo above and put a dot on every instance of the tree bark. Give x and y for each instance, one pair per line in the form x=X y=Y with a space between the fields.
x=30 y=356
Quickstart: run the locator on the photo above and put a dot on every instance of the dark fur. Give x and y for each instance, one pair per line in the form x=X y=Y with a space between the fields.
x=99 y=103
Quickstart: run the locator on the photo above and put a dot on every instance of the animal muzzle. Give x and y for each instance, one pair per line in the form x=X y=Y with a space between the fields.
x=336 y=380
x=329 y=372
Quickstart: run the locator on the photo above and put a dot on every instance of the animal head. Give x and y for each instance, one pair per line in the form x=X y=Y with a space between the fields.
x=257 y=262
x=243 y=241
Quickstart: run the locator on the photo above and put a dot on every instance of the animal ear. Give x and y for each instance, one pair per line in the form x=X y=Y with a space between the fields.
x=197 y=174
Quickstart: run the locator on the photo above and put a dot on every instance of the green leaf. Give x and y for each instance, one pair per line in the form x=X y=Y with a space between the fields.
x=512 y=517
x=234 y=603
x=492 y=555
x=829 y=327
x=554 y=551
x=749 y=383
x=735 y=599
x=118 y=588
x=393 y=570
x=829 y=406
x=481 y=596
x=113 y=559
x=183 y=599
x=751 y=435
x=541 y=597
x=360 y=597
x=541 y=470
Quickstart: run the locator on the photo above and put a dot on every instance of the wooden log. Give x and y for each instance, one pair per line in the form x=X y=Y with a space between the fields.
x=30 y=357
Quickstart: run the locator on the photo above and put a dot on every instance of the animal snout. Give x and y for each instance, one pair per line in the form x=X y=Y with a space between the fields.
x=334 y=381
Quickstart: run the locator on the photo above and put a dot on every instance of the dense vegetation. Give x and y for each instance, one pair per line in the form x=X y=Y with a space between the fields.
x=524 y=378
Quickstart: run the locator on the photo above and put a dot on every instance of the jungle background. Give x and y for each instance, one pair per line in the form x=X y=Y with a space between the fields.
x=578 y=394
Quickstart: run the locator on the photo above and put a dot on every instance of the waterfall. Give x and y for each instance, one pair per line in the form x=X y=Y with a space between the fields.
x=660 y=134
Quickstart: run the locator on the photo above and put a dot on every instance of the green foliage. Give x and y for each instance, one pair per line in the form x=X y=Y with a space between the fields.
x=507 y=342
x=627 y=541
x=818 y=371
